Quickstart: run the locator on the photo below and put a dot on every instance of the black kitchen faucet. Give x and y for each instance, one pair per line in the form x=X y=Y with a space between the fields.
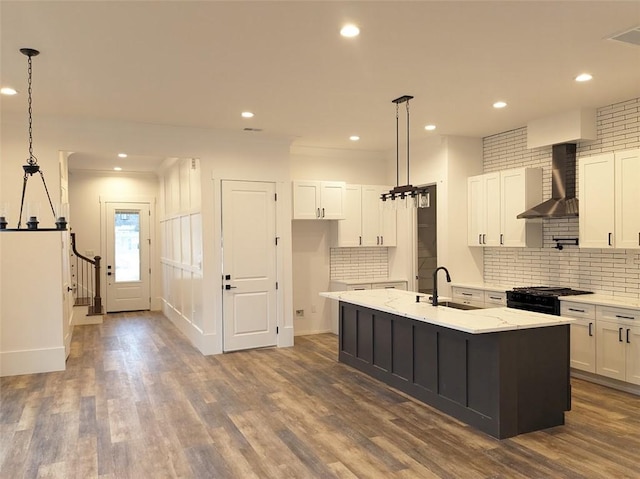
x=434 y=297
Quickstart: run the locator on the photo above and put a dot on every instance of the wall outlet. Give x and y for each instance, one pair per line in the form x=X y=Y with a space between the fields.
x=299 y=313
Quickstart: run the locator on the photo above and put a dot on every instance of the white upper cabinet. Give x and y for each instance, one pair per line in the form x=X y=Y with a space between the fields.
x=324 y=200
x=366 y=223
x=494 y=202
x=609 y=199
x=627 y=199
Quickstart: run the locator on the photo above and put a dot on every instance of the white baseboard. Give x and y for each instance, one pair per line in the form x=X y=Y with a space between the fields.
x=32 y=361
x=314 y=331
x=207 y=344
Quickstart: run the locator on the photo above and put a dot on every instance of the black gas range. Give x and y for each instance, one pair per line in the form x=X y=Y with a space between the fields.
x=540 y=299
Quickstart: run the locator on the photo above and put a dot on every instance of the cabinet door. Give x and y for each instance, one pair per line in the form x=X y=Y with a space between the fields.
x=596 y=205
x=349 y=229
x=512 y=184
x=332 y=200
x=475 y=210
x=306 y=200
x=583 y=345
x=610 y=350
x=627 y=199
x=632 y=338
x=371 y=215
x=388 y=222
x=492 y=195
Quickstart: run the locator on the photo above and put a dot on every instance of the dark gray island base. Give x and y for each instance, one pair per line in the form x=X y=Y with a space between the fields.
x=503 y=383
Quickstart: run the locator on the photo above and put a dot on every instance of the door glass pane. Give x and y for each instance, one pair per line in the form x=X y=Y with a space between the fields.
x=127 y=246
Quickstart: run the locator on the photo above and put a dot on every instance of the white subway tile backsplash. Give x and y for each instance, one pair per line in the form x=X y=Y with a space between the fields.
x=359 y=263
x=614 y=272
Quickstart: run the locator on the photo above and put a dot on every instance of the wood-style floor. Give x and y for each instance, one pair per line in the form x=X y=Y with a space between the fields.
x=137 y=400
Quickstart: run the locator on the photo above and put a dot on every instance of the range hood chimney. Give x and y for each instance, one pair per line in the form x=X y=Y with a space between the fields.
x=563 y=202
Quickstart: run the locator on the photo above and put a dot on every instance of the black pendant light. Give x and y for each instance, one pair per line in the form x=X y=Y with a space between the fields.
x=413 y=195
x=32 y=166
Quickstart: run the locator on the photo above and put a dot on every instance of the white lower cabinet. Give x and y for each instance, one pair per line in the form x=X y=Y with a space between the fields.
x=605 y=340
x=618 y=344
x=583 y=335
x=469 y=296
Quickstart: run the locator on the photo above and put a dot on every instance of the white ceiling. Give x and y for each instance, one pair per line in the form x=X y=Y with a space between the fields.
x=202 y=63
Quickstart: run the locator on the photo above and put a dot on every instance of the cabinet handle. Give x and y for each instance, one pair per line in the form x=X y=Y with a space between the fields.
x=610 y=234
x=318 y=213
x=484 y=238
x=620 y=316
x=323 y=212
x=479 y=239
x=495 y=297
x=360 y=240
x=501 y=238
x=628 y=336
x=381 y=240
x=358 y=289
x=378 y=240
x=466 y=294
x=620 y=334
x=577 y=310
x=590 y=329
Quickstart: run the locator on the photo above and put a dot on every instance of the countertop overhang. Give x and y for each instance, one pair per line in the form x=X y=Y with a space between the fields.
x=479 y=321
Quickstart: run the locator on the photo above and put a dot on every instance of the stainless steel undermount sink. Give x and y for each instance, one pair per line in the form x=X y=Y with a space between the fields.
x=450 y=304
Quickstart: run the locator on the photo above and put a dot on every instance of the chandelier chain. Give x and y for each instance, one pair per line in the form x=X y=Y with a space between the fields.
x=32 y=159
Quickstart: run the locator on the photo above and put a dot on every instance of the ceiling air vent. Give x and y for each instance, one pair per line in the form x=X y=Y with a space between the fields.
x=630 y=36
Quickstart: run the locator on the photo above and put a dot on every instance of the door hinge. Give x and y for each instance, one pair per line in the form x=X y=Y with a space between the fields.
x=149 y=240
x=276 y=196
x=149 y=270
x=277 y=329
x=276 y=285
x=277 y=238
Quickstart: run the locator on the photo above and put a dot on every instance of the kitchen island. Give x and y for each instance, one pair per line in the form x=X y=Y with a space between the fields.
x=504 y=371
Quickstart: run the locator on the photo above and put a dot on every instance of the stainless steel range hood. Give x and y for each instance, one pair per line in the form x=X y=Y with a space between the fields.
x=563 y=202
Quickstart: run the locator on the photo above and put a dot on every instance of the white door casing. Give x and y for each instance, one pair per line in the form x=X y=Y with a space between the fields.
x=249 y=259
x=127 y=258
x=67 y=289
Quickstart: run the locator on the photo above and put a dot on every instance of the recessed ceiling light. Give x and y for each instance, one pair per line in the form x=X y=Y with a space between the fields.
x=122 y=155
x=584 y=77
x=117 y=168
x=354 y=137
x=499 y=104
x=350 y=31
x=247 y=114
x=430 y=127
x=7 y=91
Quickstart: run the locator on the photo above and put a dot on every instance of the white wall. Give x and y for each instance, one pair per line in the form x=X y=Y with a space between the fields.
x=445 y=162
x=312 y=239
x=88 y=191
x=222 y=154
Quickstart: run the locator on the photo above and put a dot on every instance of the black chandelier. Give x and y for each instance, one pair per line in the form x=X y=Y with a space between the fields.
x=410 y=195
x=32 y=166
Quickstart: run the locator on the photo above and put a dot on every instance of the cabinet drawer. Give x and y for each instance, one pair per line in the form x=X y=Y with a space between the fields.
x=577 y=310
x=468 y=295
x=497 y=298
x=394 y=285
x=623 y=315
x=358 y=287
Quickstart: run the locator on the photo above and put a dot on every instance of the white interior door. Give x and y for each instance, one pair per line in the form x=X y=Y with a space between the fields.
x=127 y=261
x=249 y=264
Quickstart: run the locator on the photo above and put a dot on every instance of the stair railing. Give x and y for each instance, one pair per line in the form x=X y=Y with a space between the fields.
x=86 y=280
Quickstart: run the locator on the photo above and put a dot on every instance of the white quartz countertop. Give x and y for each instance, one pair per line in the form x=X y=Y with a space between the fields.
x=490 y=320
x=604 y=300
x=369 y=280
x=498 y=288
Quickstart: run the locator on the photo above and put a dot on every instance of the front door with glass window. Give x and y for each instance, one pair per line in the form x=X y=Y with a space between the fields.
x=127 y=262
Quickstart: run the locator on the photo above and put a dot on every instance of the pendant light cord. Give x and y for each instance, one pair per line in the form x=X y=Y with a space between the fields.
x=408 y=182
x=397 y=148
